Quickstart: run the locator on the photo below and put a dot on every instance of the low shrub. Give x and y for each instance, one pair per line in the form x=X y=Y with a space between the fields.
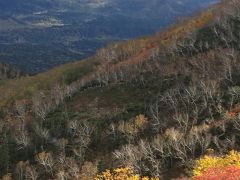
x=222 y=168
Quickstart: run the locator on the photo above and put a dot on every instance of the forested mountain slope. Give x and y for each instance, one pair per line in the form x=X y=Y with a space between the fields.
x=37 y=35
x=154 y=105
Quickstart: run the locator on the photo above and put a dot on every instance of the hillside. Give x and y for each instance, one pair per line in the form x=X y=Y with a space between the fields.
x=9 y=72
x=154 y=105
x=39 y=35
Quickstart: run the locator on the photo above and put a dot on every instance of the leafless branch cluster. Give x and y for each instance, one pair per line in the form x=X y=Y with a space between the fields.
x=81 y=136
x=172 y=146
x=186 y=106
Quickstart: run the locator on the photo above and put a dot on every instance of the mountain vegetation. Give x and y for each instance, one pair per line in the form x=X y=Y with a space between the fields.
x=9 y=72
x=39 y=35
x=160 y=107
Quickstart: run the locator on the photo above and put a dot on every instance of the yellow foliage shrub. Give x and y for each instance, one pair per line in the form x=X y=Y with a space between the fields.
x=127 y=128
x=120 y=174
x=132 y=128
x=209 y=161
x=141 y=121
x=173 y=134
x=43 y=156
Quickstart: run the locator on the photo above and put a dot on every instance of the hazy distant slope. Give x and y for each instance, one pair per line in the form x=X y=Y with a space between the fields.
x=73 y=29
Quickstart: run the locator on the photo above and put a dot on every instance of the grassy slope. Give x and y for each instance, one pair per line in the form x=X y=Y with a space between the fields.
x=25 y=87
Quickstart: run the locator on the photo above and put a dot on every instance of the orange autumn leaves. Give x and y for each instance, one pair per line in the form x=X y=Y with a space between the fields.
x=227 y=173
x=211 y=167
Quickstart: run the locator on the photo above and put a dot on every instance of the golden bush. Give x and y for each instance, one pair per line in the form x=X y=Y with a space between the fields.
x=132 y=128
x=210 y=161
x=125 y=173
x=141 y=121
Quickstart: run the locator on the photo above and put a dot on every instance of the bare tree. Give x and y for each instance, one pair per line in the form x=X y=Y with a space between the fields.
x=20 y=169
x=81 y=136
x=31 y=173
x=46 y=160
x=22 y=139
x=41 y=105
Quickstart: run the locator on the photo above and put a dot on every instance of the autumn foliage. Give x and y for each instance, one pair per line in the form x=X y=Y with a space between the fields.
x=125 y=173
x=218 y=168
x=227 y=173
x=148 y=106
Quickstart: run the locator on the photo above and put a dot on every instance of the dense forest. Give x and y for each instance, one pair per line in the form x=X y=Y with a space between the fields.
x=160 y=107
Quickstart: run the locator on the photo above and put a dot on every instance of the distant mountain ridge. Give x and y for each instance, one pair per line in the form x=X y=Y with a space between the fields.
x=67 y=30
